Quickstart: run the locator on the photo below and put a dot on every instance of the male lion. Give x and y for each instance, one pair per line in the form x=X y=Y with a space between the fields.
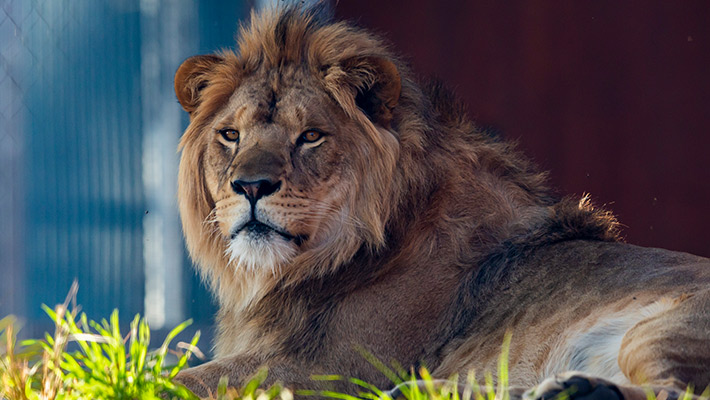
x=333 y=203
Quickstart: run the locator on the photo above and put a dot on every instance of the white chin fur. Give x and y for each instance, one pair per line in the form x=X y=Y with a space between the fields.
x=260 y=252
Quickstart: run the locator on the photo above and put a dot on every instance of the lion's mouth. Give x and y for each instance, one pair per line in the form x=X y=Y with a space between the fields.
x=259 y=229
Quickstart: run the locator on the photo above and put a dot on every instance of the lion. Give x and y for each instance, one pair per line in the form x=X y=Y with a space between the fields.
x=334 y=204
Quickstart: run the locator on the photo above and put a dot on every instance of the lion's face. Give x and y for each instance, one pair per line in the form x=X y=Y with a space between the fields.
x=276 y=166
x=289 y=157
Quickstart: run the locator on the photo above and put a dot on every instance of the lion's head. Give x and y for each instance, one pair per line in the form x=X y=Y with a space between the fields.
x=288 y=158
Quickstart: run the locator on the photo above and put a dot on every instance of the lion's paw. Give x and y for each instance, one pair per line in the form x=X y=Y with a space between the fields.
x=574 y=386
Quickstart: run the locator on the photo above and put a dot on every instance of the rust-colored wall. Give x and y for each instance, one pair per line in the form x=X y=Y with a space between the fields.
x=613 y=98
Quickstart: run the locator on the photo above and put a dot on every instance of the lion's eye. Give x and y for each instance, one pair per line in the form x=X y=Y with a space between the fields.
x=231 y=135
x=310 y=136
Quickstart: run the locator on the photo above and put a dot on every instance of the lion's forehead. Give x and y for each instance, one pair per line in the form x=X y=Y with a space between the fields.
x=265 y=99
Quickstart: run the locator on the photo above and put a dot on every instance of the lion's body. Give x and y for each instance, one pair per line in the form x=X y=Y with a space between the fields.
x=570 y=305
x=332 y=203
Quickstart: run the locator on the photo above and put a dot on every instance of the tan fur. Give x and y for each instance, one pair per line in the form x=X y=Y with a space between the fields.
x=404 y=229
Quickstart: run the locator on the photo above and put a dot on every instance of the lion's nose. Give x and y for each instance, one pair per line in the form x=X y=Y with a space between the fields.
x=254 y=190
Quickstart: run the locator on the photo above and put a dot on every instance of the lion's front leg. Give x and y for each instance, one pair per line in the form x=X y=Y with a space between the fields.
x=204 y=379
x=578 y=386
x=574 y=385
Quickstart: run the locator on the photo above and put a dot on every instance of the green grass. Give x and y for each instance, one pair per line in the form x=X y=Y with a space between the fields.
x=106 y=364
x=85 y=359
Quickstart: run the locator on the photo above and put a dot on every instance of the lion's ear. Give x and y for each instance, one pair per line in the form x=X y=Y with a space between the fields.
x=191 y=78
x=376 y=83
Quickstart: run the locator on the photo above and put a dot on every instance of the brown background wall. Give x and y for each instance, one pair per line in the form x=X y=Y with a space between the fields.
x=613 y=98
